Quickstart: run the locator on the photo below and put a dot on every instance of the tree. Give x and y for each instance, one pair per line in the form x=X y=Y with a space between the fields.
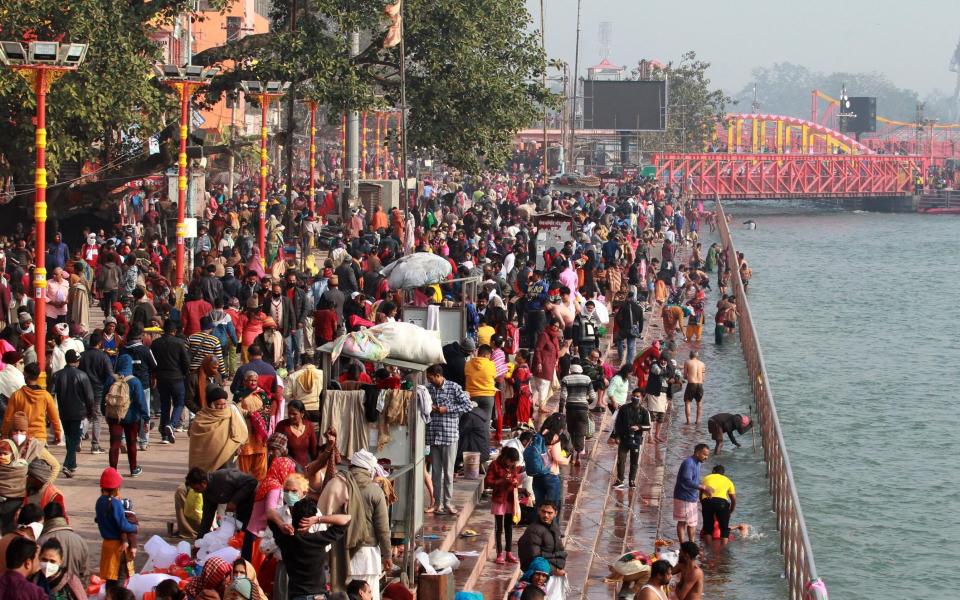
x=693 y=108
x=784 y=89
x=104 y=110
x=472 y=70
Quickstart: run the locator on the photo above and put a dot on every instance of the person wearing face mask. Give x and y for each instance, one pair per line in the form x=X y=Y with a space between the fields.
x=63 y=584
x=631 y=423
x=244 y=585
x=29 y=447
x=271 y=494
x=29 y=526
x=73 y=547
x=24 y=562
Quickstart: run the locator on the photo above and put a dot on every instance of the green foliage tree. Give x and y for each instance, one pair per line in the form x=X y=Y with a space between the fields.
x=472 y=68
x=693 y=107
x=103 y=110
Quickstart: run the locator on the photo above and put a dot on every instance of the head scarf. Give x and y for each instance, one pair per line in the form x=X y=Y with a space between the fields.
x=62 y=329
x=279 y=470
x=212 y=577
x=278 y=442
x=40 y=470
x=364 y=459
x=537 y=565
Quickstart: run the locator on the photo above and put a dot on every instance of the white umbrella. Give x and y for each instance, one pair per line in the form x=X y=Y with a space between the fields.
x=416 y=270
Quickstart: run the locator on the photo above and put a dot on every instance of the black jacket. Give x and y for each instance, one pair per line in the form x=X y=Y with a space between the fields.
x=143 y=362
x=99 y=368
x=172 y=356
x=223 y=487
x=542 y=540
x=299 y=301
x=231 y=286
x=288 y=320
x=627 y=417
x=456 y=362
x=74 y=394
x=347 y=278
x=304 y=556
x=211 y=288
x=623 y=319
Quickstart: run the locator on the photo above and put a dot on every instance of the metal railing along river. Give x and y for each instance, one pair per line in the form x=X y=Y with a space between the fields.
x=799 y=567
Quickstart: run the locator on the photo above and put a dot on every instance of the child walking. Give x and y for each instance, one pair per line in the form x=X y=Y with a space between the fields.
x=116 y=552
x=503 y=477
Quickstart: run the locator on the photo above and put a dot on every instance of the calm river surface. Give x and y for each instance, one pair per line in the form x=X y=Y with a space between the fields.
x=858 y=318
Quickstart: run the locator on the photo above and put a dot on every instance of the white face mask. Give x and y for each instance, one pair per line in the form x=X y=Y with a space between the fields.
x=19 y=438
x=37 y=529
x=49 y=569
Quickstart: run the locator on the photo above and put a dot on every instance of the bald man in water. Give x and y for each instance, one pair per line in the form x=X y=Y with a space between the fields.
x=693 y=371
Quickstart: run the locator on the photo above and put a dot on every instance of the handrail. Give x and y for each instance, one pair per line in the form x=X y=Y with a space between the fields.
x=800 y=569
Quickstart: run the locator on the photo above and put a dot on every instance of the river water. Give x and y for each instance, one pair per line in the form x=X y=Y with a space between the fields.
x=858 y=319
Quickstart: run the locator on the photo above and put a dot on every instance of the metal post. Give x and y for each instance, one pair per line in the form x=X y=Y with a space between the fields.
x=233 y=140
x=403 y=121
x=313 y=155
x=353 y=136
x=363 y=146
x=262 y=237
x=573 y=111
x=543 y=46
x=184 y=89
x=40 y=214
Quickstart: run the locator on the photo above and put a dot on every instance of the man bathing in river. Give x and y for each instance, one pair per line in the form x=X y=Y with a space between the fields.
x=693 y=371
x=690 y=586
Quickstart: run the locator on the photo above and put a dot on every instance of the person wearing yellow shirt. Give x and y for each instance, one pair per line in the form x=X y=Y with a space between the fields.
x=719 y=503
x=485 y=333
x=481 y=377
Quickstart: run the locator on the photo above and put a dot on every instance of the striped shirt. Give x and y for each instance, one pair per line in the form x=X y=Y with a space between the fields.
x=499 y=361
x=577 y=389
x=201 y=345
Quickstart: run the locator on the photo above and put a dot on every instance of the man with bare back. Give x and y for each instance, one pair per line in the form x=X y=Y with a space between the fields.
x=690 y=586
x=693 y=371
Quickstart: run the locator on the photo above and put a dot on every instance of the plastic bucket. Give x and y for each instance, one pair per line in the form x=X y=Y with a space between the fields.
x=471 y=465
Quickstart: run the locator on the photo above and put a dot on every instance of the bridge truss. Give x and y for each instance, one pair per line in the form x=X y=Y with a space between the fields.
x=757 y=176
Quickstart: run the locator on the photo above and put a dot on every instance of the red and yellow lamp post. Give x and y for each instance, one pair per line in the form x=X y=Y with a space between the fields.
x=41 y=63
x=312 y=105
x=185 y=80
x=264 y=93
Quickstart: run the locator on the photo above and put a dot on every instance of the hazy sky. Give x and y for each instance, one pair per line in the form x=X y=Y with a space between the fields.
x=911 y=41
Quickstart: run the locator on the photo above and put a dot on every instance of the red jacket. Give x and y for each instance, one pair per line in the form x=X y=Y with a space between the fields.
x=502 y=481
x=546 y=354
x=193 y=311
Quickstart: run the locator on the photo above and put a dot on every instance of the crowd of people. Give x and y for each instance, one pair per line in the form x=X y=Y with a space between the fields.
x=232 y=360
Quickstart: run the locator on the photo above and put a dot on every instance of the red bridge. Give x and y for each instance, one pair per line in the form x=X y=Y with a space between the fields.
x=750 y=176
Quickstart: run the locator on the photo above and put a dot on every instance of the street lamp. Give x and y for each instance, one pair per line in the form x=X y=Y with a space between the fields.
x=264 y=93
x=185 y=80
x=312 y=106
x=41 y=63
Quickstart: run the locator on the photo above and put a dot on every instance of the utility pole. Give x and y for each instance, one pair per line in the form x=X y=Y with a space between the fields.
x=543 y=45
x=573 y=111
x=353 y=139
x=291 y=123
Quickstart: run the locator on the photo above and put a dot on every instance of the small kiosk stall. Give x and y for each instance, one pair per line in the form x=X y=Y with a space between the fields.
x=451 y=317
x=404 y=449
